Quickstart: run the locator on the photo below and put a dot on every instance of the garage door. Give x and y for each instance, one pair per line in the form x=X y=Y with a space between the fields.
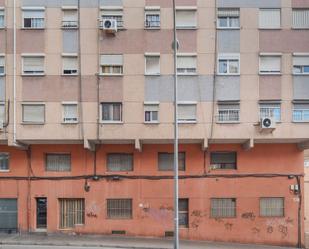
x=8 y=215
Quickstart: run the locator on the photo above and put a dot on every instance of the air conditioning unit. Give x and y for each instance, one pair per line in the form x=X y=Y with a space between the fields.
x=109 y=25
x=268 y=123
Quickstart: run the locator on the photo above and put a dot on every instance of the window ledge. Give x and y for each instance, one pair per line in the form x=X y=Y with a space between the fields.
x=300 y=122
x=110 y=75
x=4 y=171
x=33 y=75
x=2 y=28
x=302 y=28
x=187 y=28
x=69 y=123
x=270 y=28
x=228 y=74
x=111 y=122
x=228 y=122
x=153 y=28
x=227 y=28
x=152 y=122
x=32 y=123
x=149 y=74
x=276 y=74
x=32 y=28
x=187 y=122
x=300 y=74
x=2 y=74
x=187 y=74
x=68 y=75
x=69 y=27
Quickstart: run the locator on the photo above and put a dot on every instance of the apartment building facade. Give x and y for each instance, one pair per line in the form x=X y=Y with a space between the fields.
x=86 y=110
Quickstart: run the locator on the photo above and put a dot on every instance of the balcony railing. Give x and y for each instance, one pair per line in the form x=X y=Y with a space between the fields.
x=69 y=24
x=228 y=116
x=301 y=115
x=152 y=24
x=271 y=112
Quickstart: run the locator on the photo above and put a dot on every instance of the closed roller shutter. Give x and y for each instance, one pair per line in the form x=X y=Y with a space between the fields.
x=8 y=214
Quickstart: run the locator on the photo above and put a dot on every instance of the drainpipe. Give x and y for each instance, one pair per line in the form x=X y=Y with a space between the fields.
x=299 y=216
x=14 y=73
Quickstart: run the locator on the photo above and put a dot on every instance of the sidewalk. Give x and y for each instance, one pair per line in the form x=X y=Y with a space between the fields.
x=116 y=242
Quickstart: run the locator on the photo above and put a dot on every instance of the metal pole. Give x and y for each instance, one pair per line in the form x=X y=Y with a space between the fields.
x=14 y=72
x=176 y=215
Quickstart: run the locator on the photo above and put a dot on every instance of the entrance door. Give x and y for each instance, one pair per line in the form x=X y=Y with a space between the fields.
x=41 y=213
x=8 y=215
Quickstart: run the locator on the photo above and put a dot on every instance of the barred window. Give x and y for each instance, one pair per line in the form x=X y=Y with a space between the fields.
x=272 y=206
x=223 y=207
x=4 y=161
x=223 y=160
x=183 y=211
x=166 y=161
x=119 y=208
x=119 y=162
x=58 y=162
x=72 y=212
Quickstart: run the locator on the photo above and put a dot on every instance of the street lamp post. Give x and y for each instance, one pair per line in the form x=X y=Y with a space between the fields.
x=176 y=188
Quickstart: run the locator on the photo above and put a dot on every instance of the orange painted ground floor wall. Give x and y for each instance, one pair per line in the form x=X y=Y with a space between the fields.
x=262 y=172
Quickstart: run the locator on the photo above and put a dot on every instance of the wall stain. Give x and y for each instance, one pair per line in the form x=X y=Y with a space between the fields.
x=283 y=230
x=198 y=213
x=270 y=229
x=248 y=215
x=256 y=230
x=228 y=226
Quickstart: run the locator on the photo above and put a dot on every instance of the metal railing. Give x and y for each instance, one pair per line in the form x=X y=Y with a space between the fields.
x=300 y=115
x=228 y=116
x=152 y=24
x=69 y=24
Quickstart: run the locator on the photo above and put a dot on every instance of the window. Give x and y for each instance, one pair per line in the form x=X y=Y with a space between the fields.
x=119 y=208
x=2 y=112
x=270 y=64
x=186 y=64
x=300 y=64
x=2 y=65
x=306 y=163
x=166 y=161
x=272 y=206
x=228 y=18
x=186 y=18
x=70 y=18
x=69 y=65
x=119 y=162
x=152 y=17
x=301 y=112
x=116 y=14
x=33 y=113
x=183 y=212
x=151 y=113
x=223 y=207
x=152 y=64
x=270 y=110
x=4 y=161
x=34 y=18
x=2 y=23
x=33 y=65
x=270 y=19
x=58 y=162
x=300 y=19
x=228 y=64
x=72 y=212
x=228 y=113
x=70 y=113
x=223 y=160
x=111 y=64
x=186 y=113
x=111 y=112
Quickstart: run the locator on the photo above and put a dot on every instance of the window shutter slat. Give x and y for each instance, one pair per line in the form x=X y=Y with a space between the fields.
x=301 y=18
x=112 y=60
x=228 y=12
x=34 y=13
x=270 y=18
x=185 y=18
x=186 y=61
x=301 y=60
x=268 y=63
x=70 y=63
x=33 y=113
x=187 y=112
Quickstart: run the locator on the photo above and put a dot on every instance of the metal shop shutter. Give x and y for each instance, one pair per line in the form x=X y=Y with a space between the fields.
x=8 y=214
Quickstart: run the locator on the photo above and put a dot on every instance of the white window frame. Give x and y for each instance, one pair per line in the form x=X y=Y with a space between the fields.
x=299 y=10
x=3 y=11
x=65 y=119
x=228 y=19
x=33 y=9
x=152 y=10
x=228 y=58
x=70 y=56
x=187 y=70
x=111 y=66
x=153 y=55
x=3 y=107
x=111 y=121
x=151 y=104
x=7 y=155
x=33 y=104
x=30 y=56
x=270 y=111
x=277 y=55
x=270 y=9
x=113 y=13
x=4 y=66
x=297 y=55
x=187 y=8
x=228 y=114
x=183 y=121
x=69 y=24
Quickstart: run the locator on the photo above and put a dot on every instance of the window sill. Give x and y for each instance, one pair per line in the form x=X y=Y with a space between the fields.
x=4 y=171
x=110 y=75
x=69 y=123
x=300 y=74
x=152 y=122
x=276 y=74
x=2 y=28
x=186 y=28
x=228 y=74
x=270 y=28
x=111 y=122
x=63 y=27
x=33 y=75
x=69 y=75
x=152 y=28
x=32 y=123
x=300 y=122
x=2 y=74
x=187 y=74
x=302 y=28
x=187 y=122
x=32 y=28
x=228 y=28
x=228 y=122
x=149 y=74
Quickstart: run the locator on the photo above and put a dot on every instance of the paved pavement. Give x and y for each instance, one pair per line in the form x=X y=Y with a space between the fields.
x=61 y=241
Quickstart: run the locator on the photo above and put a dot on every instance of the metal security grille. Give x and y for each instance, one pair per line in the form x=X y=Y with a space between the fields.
x=8 y=214
x=119 y=162
x=58 y=162
x=72 y=212
x=223 y=207
x=183 y=212
x=119 y=208
x=223 y=160
x=166 y=161
x=272 y=206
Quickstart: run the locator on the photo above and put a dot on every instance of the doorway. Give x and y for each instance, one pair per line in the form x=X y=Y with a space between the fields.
x=41 y=213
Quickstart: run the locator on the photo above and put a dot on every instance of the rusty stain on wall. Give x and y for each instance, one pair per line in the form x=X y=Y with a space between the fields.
x=248 y=215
